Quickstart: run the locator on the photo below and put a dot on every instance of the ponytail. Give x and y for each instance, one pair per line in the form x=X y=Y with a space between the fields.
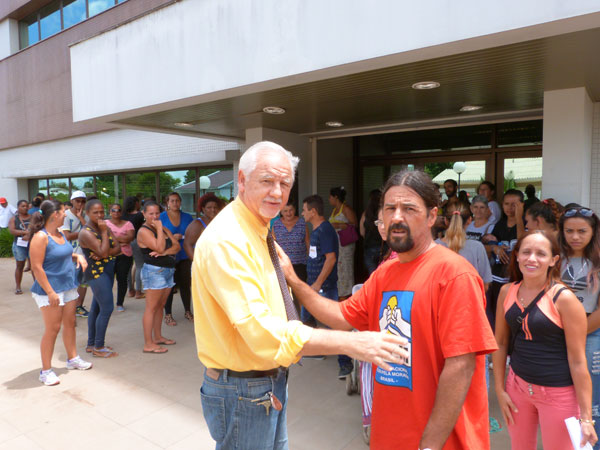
x=39 y=219
x=548 y=210
x=455 y=234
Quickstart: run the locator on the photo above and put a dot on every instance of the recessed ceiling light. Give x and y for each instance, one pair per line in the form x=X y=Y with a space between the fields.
x=183 y=124
x=426 y=85
x=467 y=108
x=273 y=110
x=334 y=124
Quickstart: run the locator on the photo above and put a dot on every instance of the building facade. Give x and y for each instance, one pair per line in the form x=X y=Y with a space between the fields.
x=356 y=89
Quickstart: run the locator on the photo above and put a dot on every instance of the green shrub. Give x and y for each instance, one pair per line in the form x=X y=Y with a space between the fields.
x=6 y=240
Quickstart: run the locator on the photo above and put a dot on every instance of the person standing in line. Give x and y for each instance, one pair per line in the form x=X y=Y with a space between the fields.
x=291 y=233
x=100 y=249
x=481 y=223
x=159 y=247
x=531 y=198
x=321 y=266
x=579 y=237
x=209 y=206
x=543 y=216
x=177 y=221
x=488 y=190
x=18 y=227
x=55 y=287
x=124 y=233
x=436 y=396
x=36 y=202
x=247 y=332
x=133 y=215
x=500 y=244
x=368 y=230
x=74 y=221
x=7 y=212
x=542 y=326
x=451 y=190
x=342 y=217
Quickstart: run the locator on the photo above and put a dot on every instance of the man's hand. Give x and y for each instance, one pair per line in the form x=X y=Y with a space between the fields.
x=315 y=286
x=380 y=348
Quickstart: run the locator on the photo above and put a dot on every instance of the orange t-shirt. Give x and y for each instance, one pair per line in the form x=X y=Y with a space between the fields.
x=437 y=302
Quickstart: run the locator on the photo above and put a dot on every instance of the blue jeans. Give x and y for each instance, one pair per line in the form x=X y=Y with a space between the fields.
x=308 y=318
x=371 y=258
x=235 y=422
x=102 y=306
x=592 y=353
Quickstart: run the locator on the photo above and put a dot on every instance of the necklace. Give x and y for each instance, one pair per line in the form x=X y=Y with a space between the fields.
x=571 y=271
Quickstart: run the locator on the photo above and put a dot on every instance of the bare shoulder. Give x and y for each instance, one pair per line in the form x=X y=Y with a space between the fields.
x=39 y=238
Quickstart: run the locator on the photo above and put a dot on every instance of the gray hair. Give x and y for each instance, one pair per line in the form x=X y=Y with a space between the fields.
x=480 y=199
x=250 y=157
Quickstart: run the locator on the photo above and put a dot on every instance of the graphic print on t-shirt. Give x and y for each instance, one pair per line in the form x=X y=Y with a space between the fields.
x=395 y=318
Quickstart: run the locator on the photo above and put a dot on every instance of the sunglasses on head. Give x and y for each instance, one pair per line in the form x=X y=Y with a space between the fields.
x=585 y=212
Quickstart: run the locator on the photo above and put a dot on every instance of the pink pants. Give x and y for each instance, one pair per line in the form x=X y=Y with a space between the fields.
x=544 y=406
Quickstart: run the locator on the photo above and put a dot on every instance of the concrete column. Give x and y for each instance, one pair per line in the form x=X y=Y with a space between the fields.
x=567 y=150
x=300 y=146
x=9 y=37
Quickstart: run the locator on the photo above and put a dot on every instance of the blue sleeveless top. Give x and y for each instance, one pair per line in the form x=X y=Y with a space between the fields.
x=59 y=267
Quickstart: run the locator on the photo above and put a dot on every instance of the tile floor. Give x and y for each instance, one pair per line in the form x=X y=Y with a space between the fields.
x=144 y=401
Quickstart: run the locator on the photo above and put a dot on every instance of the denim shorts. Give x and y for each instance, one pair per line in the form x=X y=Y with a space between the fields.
x=20 y=253
x=63 y=297
x=155 y=277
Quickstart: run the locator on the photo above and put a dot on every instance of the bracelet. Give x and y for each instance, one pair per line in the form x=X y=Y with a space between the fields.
x=590 y=421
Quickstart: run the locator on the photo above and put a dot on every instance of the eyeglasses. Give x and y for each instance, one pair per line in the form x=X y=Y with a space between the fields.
x=585 y=212
x=115 y=210
x=378 y=223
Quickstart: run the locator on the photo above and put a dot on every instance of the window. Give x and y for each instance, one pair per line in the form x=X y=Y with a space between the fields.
x=59 y=189
x=36 y=186
x=73 y=12
x=57 y=16
x=85 y=184
x=108 y=189
x=50 y=21
x=140 y=185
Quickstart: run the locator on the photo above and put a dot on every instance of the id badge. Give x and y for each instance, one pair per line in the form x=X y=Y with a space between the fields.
x=312 y=252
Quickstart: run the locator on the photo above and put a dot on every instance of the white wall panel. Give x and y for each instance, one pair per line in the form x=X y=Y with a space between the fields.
x=595 y=191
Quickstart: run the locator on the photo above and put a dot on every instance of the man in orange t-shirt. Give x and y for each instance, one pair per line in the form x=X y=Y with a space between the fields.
x=432 y=297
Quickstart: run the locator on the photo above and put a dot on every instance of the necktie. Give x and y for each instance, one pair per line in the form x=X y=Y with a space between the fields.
x=290 y=309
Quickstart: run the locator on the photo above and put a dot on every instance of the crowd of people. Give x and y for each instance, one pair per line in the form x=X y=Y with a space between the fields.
x=529 y=298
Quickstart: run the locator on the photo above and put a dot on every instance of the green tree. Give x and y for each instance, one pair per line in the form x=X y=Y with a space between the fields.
x=434 y=169
x=190 y=176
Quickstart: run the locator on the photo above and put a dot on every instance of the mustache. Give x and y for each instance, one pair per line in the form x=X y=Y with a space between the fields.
x=398 y=226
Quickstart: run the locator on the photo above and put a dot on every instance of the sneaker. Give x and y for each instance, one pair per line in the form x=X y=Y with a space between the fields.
x=317 y=357
x=120 y=309
x=345 y=370
x=80 y=311
x=49 y=378
x=78 y=363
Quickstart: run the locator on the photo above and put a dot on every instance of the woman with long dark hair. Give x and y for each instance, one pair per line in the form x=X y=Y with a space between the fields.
x=124 y=232
x=542 y=326
x=543 y=216
x=579 y=236
x=159 y=247
x=368 y=230
x=18 y=226
x=177 y=221
x=343 y=217
x=100 y=249
x=55 y=286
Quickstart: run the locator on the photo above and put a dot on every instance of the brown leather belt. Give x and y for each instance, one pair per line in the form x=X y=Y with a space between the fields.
x=215 y=373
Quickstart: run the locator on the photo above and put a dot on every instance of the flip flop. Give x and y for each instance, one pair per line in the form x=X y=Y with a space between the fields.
x=18 y=292
x=89 y=349
x=157 y=350
x=166 y=342
x=104 y=352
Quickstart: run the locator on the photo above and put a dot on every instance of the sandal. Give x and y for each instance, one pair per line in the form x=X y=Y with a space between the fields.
x=165 y=341
x=189 y=316
x=169 y=320
x=18 y=292
x=140 y=294
x=104 y=352
x=157 y=350
x=90 y=348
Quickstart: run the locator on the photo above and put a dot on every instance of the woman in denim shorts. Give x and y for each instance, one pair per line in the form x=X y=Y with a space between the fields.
x=18 y=227
x=159 y=247
x=55 y=286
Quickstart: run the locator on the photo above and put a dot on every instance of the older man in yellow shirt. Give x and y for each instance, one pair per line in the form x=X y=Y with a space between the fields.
x=246 y=332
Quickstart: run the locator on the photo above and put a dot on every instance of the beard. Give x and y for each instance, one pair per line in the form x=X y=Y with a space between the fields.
x=400 y=245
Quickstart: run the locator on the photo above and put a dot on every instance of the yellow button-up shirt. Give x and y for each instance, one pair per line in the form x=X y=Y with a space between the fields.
x=239 y=315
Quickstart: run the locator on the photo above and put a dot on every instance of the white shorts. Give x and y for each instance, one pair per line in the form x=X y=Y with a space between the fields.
x=64 y=297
